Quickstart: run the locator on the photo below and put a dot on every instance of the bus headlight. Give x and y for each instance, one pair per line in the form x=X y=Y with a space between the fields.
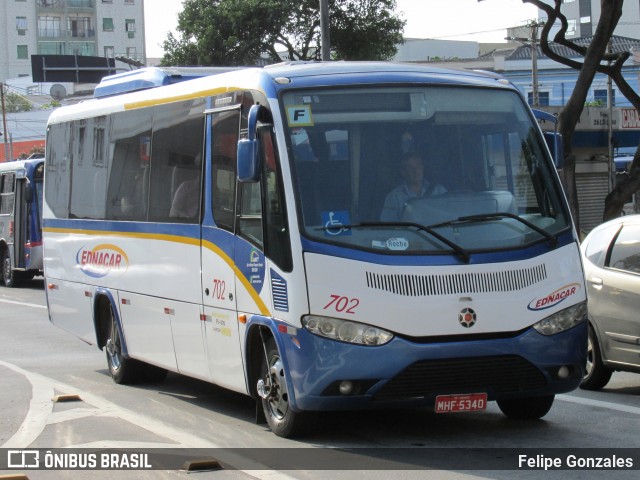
x=563 y=320
x=346 y=331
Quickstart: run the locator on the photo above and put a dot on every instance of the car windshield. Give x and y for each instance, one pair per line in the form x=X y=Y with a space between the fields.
x=421 y=169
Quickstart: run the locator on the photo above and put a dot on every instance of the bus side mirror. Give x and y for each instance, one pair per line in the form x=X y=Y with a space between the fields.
x=556 y=146
x=28 y=193
x=553 y=139
x=249 y=151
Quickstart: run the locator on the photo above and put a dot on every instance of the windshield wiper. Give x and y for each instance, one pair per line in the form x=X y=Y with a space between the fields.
x=553 y=240
x=462 y=253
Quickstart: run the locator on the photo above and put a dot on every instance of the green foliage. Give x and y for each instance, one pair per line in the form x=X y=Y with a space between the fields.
x=237 y=32
x=52 y=104
x=15 y=103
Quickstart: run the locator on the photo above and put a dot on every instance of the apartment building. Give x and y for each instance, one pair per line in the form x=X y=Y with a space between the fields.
x=583 y=15
x=103 y=28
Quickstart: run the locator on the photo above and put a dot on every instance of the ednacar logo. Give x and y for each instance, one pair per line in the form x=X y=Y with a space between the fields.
x=554 y=298
x=102 y=260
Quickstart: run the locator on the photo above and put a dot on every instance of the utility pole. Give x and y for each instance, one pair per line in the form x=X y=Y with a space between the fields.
x=534 y=64
x=612 y=170
x=5 y=134
x=324 y=31
x=532 y=43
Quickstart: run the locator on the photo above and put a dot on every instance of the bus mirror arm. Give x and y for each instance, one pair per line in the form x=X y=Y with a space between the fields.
x=249 y=151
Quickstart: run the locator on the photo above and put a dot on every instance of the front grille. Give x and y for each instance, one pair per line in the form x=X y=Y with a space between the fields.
x=498 y=374
x=457 y=283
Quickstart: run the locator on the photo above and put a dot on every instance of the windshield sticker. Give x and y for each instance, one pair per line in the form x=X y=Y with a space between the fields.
x=336 y=223
x=299 y=116
x=397 y=244
x=554 y=298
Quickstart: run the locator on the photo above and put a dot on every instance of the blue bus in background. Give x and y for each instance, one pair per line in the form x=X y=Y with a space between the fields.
x=21 y=184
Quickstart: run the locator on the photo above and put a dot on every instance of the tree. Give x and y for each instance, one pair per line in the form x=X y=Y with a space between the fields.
x=596 y=59
x=237 y=32
x=16 y=103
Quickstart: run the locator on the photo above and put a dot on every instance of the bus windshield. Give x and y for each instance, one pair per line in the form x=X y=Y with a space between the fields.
x=421 y=169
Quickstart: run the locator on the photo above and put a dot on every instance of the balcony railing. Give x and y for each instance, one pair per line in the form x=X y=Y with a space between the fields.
x=61 y=4
x=58 y=33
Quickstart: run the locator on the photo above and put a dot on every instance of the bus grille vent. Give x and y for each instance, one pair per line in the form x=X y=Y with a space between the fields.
x=497 y=374
x=457 y=283
x=279 y=291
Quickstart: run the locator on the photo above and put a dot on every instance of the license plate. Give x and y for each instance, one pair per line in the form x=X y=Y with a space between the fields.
x=471 y=402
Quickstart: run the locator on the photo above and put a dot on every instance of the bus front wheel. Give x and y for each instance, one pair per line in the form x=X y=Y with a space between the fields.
x=273 y=392
x=9 y=277
x=528 y=408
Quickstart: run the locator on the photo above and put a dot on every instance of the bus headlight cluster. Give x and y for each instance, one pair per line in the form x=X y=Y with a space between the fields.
x=563 y=320
x=346 y=331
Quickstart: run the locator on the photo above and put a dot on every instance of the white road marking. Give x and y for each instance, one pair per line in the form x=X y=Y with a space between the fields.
x=41 y=414
x=599 y=403
x=24 y=304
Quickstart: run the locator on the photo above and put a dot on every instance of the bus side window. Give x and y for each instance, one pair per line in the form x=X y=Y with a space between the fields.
x=278 y=244
x=225 y=132
x=6 y=193
x=250 y=218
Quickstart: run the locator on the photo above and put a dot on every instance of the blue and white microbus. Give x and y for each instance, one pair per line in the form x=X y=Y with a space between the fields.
x=21 y=220
x=231 y=228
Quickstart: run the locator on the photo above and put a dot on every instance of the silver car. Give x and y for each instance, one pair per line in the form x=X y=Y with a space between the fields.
x=611 y=255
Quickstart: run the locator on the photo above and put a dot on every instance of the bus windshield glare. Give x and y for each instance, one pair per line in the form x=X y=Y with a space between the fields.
x=414 y=170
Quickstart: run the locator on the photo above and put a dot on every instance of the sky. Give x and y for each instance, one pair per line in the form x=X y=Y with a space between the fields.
x=484 y=21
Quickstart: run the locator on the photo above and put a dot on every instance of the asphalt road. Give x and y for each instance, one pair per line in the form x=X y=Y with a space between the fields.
x=55 y=392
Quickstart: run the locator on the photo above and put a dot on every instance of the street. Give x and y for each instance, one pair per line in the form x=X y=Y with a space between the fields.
x=39 y=362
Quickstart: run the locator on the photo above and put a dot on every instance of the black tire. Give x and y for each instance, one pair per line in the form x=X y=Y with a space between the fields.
x=528 y=408
x=597 y=374
x=282 y=421
x=124 y=371
x=10 y=278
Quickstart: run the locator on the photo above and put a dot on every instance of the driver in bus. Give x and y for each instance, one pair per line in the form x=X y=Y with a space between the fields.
x=413 y=186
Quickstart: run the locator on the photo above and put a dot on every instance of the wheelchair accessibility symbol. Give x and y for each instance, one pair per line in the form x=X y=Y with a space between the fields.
x=336 y=223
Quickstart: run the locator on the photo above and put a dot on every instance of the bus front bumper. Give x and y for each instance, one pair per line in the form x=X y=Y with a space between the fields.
x=330 y=375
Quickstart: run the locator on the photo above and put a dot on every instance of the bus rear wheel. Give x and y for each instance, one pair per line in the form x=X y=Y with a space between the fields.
x=123 y=370
x=528 y=408
x=272 y=390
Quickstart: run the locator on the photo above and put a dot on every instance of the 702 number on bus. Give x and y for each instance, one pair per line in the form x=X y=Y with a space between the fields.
x=342 y=304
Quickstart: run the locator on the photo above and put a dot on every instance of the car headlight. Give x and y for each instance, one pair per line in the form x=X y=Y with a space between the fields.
x=346 y=331
x=563 y=320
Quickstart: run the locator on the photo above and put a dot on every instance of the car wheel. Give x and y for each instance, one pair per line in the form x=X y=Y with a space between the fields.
x=597 y=374
x=273 y=391
x=528 y=408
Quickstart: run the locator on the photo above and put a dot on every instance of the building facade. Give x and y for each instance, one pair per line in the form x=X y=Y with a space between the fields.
x=102 y=28
x=583 y=15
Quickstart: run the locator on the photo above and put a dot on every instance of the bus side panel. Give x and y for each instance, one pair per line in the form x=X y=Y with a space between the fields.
x=187 y=329
x=70 y=308
x=146 y=324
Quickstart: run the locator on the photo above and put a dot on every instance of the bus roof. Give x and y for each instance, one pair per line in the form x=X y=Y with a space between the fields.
x=268 y=80
x=23 y=165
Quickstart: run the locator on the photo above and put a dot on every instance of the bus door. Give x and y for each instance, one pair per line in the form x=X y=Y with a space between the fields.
x=218 y=251
x=21 y=222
